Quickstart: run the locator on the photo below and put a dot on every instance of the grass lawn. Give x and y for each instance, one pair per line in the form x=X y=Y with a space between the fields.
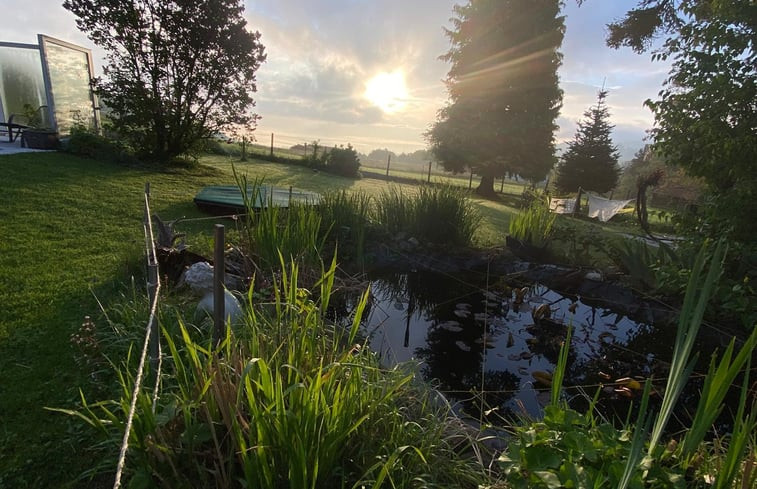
x=71 y=229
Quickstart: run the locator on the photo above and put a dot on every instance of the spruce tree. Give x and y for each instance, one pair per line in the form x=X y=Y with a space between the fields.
x=503 y=90
x=591 y=160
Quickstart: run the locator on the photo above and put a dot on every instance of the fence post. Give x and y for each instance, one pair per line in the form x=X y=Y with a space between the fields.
x=290 y=196
x=502 y=185
x=219 y=302
x=271 y=144
x=470 y=181
x=429 y=172
x=388 y=160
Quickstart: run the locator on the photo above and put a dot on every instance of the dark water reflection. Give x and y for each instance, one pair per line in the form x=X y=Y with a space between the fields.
x=471 y=338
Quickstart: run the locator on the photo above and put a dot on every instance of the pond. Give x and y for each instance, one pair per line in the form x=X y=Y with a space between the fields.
x=491 y=346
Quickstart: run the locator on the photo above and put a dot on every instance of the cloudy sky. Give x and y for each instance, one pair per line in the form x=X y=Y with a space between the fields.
x=367 y=72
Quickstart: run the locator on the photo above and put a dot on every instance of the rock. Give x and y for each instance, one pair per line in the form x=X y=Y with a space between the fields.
x=199 y=277
x=414 y=242
x=594 y=275
x=232 y=308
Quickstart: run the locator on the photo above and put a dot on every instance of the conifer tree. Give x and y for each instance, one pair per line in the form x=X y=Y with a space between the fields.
x=503 y=90
x=591 y=160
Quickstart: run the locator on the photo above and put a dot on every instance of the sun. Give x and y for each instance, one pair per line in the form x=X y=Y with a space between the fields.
x=387 y=91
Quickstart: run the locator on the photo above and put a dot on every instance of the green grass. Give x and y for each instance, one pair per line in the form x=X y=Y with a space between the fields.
x=69 y=226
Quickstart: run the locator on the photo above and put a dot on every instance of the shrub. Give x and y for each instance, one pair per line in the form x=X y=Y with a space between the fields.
x=343 y=161
x=443 y=214
x=88 y=144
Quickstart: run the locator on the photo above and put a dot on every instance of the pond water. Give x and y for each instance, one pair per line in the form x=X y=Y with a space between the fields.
x=491 y=347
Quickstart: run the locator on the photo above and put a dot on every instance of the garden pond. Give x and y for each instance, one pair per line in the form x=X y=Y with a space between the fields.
x=491 y=346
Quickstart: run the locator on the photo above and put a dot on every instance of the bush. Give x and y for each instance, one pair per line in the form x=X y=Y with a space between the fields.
x=85 y=143
x=343 y=161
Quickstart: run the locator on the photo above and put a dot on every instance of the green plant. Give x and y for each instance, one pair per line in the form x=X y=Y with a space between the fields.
x=394 y=210
x=344 y=221
x=443 y=214
x=343 y=161
x=289 y=401
x=534 y=225
x=641 y=261
x=439 y=214
x=569 y=449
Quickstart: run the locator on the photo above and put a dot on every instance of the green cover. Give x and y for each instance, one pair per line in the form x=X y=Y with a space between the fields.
x=230 y=197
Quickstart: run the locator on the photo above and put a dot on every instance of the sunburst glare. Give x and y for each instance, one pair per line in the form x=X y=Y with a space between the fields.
x=387 y=91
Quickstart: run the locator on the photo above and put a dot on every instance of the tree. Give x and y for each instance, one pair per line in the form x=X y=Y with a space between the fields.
x=706 y=115
x=503 y=90
x=178 y=72
x=591 y=160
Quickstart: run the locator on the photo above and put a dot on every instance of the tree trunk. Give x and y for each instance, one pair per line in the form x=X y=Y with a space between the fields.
x=486 y=187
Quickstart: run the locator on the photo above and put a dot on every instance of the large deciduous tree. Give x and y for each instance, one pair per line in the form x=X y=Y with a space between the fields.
x=706 y=114
x=503 y=90
x=177 y=71
x=591 y=160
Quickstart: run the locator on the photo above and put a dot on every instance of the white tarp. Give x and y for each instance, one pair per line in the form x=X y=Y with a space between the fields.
x=562 y=206
x=603 y=208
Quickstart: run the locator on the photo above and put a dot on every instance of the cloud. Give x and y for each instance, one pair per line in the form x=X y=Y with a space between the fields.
x=321 y=53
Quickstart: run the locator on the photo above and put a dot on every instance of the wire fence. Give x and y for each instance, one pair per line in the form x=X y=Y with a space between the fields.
x=387 y=165
x=152 y=337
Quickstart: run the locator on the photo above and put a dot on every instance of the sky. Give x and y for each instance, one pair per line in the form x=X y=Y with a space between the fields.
x=367 y=72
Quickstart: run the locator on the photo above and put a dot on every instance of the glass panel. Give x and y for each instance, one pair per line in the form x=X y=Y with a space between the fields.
x=69 y=85
x=21 y=81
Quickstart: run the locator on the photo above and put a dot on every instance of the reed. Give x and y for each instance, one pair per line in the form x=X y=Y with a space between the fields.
x=439 y=214
x=345 y=220
x=534 y=225
x=290 y=400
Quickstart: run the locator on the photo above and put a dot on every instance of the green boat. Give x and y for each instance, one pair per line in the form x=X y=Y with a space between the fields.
x=228 y=198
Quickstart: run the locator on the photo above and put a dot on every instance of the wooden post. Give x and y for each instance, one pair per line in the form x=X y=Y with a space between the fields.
x=271 y=144
x=577 y=207
x=502 y=185
x=388 y=160
x=470 y=181
x=290 y=196
x=219 y=302
x=429 y=172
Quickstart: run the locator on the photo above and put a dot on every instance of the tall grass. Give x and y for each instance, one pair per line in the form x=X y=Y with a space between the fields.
x=289 y=401
x=345 y=220
x=270 y=231
x=534 y=225
x=394 y=210
x=440 y=214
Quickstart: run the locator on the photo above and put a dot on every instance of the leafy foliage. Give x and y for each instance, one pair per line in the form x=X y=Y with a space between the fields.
x=706 y=117
x=503 y=89
x=177 y=72
x=591 y=160
x=343 y=161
